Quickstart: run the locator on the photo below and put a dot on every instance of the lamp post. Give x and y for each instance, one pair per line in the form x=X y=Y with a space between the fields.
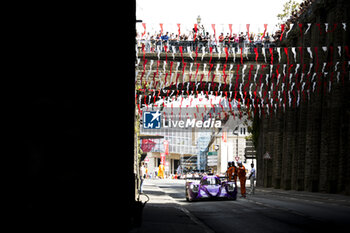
x=200 y=29
x=199 y=19
x=235 y=132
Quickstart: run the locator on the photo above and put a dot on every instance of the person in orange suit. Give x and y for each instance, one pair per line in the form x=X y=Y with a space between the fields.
x=161 y=171
x=231 y=172
x=242 y=178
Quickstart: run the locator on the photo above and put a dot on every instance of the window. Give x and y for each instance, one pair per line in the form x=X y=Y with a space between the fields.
x=243 y=130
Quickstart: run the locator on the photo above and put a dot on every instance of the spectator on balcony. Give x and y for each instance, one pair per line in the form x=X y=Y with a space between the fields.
x=153 y=43
x=241 y=40
x=206 y=40
x=213 y=44
x=148 y=42
x=227 y=40
x=257 y=40
x=221 y=41
x=236 y=42
x=273 y=40
x=158 y=41
x=245 y=40
x=190 y=41
x=251 y=42
x=165 y=39
x=172 y=41
x=266 y=40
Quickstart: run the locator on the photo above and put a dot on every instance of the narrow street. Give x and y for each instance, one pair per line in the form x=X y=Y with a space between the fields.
x=269 y=210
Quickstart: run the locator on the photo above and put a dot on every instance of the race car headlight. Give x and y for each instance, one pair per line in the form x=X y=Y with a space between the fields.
x=194 y=188
x=231 y=187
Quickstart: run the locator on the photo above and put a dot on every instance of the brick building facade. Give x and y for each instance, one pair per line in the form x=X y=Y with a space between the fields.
x=309 y=145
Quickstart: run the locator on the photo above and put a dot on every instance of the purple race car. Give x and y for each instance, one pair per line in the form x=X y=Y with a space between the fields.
x=210 y=187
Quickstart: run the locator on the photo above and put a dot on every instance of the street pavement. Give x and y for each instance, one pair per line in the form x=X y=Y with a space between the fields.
x=268 y=210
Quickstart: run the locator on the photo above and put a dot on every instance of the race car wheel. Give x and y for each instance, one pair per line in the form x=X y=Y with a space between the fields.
x=188 y=197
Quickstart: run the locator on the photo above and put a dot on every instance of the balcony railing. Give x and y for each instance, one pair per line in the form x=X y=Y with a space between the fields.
x=153 y=46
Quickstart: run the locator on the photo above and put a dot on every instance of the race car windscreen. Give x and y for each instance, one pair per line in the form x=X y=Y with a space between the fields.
x=210 y=181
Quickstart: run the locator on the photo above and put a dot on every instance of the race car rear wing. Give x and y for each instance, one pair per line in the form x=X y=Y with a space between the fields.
x=198 y=178
x=192 y=178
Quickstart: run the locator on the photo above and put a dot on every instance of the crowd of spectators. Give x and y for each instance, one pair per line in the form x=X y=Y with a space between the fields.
x=304 y=7
x=199 y=39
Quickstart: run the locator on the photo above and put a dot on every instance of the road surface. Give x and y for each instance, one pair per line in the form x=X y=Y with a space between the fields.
x=269 y=210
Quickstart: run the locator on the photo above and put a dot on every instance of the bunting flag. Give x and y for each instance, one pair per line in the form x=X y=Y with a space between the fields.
x=226 y=52
x=263 y=52
x=256 y=54
x=265 y=29
x=144 y=32
x=279 y=54
x=195 y=32
x=308 y=27
x=290 y=28
x=180 y=48
x=241 y=56
x=203 y=52
x=301 y=29
x=309 y=51
x=286 y=52
x=143 y=51
x=161 y=28
x=319 y=28
x=189 y=52
x=211 y=54
x=178 y=30
x=346 y=47
x=166 y=53
x=213 y=26
x=271 y=52
x=248 y=25
x=282 y=29
x=195 y=59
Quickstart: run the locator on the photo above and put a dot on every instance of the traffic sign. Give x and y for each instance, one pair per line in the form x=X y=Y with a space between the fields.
x=267 y=155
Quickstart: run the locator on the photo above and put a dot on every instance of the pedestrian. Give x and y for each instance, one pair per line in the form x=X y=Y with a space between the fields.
x=142 y=175
x=242 y=178
x=231 y=172
x=235 y=171
x=252 y=179
x=161 y=171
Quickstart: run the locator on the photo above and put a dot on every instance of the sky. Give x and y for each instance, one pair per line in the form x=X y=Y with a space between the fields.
x=219 y=12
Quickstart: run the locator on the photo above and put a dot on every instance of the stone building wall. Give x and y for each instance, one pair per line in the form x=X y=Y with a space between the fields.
x=309 y=145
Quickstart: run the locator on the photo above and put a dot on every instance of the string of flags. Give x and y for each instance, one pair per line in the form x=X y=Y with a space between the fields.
x=311 y=52
x=264 y=89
